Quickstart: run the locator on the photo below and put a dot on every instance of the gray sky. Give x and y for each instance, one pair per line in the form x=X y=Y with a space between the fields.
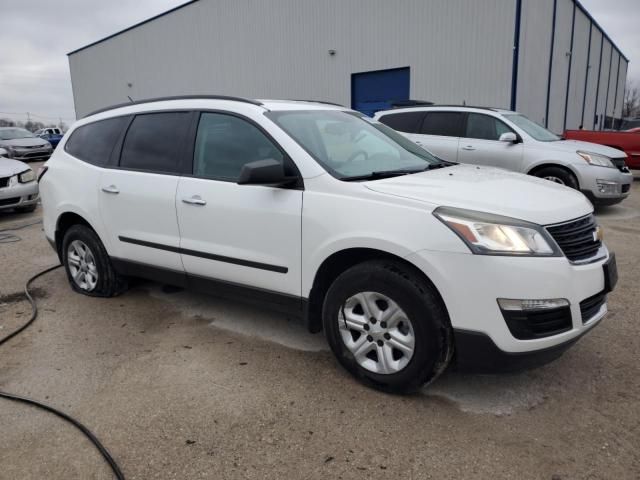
x=36 y=35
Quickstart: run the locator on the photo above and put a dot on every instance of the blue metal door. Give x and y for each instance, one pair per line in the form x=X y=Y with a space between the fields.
x=373 y=91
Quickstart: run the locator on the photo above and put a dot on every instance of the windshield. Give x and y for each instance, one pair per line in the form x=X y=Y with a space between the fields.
x=350 y=145
x=14 y=133
x=534 y=130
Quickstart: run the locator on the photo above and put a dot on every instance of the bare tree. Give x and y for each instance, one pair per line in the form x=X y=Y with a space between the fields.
x=5 y=122
x=33 y=126
x=631 y=104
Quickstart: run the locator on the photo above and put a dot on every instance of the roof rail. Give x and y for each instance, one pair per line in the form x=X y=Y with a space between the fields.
x=410 y=103
x=493 y=109
x=177 y=97
x=316 y=101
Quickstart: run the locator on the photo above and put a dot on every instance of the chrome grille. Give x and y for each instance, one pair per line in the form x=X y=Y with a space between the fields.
x=620 y=164
x=577 y=239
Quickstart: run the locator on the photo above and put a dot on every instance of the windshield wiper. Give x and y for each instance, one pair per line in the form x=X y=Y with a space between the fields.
x=396 y=173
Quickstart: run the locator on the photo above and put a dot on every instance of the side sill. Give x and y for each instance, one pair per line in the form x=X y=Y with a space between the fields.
x=276 y=301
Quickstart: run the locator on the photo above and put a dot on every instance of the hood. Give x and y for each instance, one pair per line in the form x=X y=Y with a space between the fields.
x=24 y=142
x=9 y=167
x=571 y=146
x=490 y=190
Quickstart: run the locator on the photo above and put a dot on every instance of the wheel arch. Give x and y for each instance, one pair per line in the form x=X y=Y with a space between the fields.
x=63 y=223
x=337 y=263
x=548 y=164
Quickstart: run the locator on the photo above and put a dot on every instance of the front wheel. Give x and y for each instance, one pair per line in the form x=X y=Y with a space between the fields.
x=387 y=326
x=559 y=176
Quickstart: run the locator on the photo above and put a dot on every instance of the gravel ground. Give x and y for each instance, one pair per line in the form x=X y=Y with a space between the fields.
x=184 y=386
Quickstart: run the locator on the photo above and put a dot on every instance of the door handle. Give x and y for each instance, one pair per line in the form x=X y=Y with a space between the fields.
x=468 y=148
x=111 y=189
x=195 y=200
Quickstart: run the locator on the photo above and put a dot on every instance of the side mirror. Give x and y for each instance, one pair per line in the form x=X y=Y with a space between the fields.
x=264 y=172
x=509 y=137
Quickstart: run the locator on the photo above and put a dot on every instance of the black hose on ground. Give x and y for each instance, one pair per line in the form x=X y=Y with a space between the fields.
x=34 y=314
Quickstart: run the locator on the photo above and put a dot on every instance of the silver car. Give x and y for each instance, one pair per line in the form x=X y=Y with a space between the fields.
x=18 y=185
x=23 y=145
x=501 y=138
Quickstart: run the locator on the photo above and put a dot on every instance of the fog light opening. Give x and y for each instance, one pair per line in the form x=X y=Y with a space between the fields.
x=510 y=304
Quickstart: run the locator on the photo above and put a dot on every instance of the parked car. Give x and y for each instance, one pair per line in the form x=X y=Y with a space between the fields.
x=506 y=139
x=18 y=186
x=23 y=145
x=629 y=123
x=53 y=135
x=627 y=142
x=322 y=212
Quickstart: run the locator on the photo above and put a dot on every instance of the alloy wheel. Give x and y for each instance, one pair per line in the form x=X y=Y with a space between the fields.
x=554 y=179
x=377 y=332
x=82 y=265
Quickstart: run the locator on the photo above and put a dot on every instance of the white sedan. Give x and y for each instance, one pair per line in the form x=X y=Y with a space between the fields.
x=18 y=185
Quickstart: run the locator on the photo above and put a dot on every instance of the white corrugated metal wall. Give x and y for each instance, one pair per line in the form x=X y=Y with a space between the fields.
x=458 y=51
x=607 y=50
x=535 y=46
x=560 y=66
x=592 y=81
x=579 y=59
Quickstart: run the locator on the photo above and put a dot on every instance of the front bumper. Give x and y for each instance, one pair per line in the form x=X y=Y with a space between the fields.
x=604 y=186
x=471 y=284
x=18 y=196
x=31 y=154
x=477 y=353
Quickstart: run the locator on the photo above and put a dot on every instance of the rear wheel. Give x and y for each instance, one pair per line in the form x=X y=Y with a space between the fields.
x=387 y=326
x=558 y=175
x=87 y=264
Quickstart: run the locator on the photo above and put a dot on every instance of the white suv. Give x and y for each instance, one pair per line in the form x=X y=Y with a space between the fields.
x=405 y=261
x=506 y=139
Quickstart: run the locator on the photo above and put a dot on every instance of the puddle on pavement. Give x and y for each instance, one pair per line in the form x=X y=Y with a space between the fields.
x=488 y=394
x=480 y=394
x=243 y=319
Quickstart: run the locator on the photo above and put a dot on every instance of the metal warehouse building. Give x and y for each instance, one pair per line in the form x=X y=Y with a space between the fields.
x=548 y=59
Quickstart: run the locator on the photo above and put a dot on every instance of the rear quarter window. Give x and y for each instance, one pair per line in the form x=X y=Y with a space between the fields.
x=407 y=122
x=94 y=142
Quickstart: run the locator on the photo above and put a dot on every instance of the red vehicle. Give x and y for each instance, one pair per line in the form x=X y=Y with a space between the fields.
x=628 y=141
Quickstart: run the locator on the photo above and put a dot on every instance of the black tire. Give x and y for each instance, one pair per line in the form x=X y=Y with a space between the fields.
x=418 y=299
x=109 y=282
x=29 y=209
x=565 y=177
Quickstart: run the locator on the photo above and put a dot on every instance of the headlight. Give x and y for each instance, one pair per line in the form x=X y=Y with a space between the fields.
x=9 y=150
x=595 y=159
x=488 y=234
x=26 y=177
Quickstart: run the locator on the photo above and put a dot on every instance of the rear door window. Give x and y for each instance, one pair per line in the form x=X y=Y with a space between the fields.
x=94 y=142
x=407 y=122
x=155 y=142
x=485 y=127
x=447 y=124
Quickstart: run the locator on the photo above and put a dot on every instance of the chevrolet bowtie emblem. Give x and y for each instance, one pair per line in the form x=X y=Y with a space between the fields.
x=598 y=234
